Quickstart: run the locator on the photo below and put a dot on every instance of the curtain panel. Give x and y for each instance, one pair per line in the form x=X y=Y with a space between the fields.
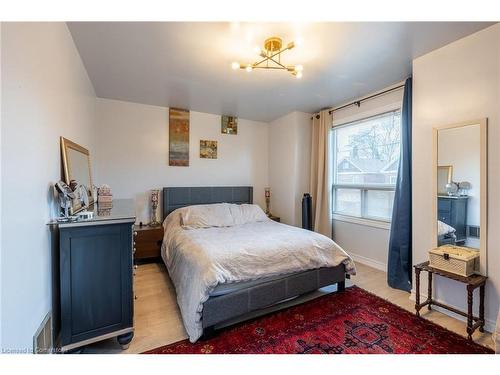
x=399 y=271
x=320 y=180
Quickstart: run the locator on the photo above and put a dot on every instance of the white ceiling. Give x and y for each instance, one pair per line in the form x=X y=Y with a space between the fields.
x=187 y=65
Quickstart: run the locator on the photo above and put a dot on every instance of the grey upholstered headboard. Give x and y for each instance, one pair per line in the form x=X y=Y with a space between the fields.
x=177 y=197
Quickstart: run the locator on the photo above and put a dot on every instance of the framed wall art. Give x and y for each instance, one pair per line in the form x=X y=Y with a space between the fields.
x=178 y=137
x=208 y=149
x=229 y=125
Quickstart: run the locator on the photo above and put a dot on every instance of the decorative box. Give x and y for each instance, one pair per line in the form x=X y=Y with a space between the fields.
x=104 y=197
x=459 y=260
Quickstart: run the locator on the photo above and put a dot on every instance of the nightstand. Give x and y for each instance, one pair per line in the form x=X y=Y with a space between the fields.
x=147 y=242
x=275 y=218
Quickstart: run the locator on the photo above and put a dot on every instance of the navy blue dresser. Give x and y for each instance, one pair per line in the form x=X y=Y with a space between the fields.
x=453 y=211
x=93 y=277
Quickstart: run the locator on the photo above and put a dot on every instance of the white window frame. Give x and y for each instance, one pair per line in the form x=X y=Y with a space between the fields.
x=345 y=121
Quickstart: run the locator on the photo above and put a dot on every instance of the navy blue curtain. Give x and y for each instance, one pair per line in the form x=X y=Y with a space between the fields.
x=399 y=263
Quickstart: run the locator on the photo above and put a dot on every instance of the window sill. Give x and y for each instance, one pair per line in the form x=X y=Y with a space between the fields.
x=363 y=221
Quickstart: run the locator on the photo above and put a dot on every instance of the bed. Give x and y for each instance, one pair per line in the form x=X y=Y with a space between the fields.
x=446 y=234
x=227 y=272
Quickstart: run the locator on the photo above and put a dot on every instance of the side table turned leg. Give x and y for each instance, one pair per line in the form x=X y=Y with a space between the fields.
x=470 y=290
x=417 y=291
x=481 y=307
x=429 y=291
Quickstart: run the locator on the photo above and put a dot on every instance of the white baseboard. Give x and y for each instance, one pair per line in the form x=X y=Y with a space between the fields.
x=489 y=325
x=369 y=262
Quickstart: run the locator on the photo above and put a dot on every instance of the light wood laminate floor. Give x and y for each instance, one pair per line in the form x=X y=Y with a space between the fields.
x=158 y=322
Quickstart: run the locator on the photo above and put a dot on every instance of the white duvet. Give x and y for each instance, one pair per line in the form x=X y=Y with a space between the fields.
x=200 y=259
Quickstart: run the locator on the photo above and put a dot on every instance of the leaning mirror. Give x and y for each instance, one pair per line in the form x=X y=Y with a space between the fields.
x=460 y=188
x=76 y=167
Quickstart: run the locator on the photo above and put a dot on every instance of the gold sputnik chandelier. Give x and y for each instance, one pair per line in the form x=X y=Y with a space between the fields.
x=271 y=58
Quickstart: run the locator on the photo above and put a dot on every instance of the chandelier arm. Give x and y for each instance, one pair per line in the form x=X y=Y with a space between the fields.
x=270 y=67
x=280 y=64
x=267 y=59
x=270 y=57
x=279 y=52
x=262 y=61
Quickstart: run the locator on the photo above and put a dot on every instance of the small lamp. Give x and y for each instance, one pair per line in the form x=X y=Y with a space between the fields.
x=268 y=200
x=155 y=195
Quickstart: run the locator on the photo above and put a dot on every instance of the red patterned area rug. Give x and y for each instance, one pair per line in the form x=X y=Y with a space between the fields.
x=354 y=321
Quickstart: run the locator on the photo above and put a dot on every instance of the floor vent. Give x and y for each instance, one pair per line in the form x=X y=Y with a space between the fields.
x=473 y=231
x=42 y=340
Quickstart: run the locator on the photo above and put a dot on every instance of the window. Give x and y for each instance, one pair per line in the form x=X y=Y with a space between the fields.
x=365 y=163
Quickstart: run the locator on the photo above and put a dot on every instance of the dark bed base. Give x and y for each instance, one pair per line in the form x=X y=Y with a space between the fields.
x=221 y=309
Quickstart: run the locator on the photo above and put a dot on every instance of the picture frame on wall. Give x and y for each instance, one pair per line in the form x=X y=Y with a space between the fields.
x=178 y=137
x=229 y=125
x=208 y=149
x=445 y=176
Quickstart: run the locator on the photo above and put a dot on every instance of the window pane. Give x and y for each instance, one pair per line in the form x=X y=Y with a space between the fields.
x=367 y=151
x=366 y=154
x=378 y=204
x=348 y=202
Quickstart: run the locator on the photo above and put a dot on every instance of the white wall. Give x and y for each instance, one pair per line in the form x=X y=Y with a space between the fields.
x=366 y=244
x=131 y=153
x=461 y=147
x=457 y=83
x=289 y=165
x=46 y=93
x=0 y=190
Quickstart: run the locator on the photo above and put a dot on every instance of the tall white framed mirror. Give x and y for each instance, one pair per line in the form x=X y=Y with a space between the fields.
x=460 y=187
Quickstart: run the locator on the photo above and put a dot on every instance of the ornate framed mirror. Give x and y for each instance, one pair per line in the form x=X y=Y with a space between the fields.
x=77 y=168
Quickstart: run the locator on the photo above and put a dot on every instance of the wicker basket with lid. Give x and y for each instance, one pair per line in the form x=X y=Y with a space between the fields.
x=460 y=260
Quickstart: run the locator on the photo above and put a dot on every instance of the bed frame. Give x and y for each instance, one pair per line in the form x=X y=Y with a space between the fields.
x=221 y=309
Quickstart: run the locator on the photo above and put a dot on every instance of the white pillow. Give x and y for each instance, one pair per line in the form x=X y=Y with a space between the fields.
x=444 y=228
x=247 y=213
x=206 y=215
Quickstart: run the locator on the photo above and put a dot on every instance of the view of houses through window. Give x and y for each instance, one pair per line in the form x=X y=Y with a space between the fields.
x=365 y=161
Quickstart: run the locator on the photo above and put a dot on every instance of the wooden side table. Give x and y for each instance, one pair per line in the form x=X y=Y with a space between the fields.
x=275 y=218
x=147 y=243
x=472 y=282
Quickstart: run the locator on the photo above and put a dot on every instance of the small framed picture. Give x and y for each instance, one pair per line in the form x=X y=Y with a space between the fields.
x=444 y=177
x=208 y=149
x=229 y=125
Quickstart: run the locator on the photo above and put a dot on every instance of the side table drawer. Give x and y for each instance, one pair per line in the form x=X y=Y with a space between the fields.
x=148 y=242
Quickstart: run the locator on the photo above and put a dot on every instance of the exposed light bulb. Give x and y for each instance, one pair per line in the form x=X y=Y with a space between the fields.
x=298 y=75
x=299 y=41
x=235 y=65
x=299 y=68
x=249 y=68
x=257 y=49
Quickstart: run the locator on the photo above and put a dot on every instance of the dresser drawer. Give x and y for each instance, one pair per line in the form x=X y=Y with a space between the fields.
x=444 y=205
x=445 y=217
x=148 y=242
